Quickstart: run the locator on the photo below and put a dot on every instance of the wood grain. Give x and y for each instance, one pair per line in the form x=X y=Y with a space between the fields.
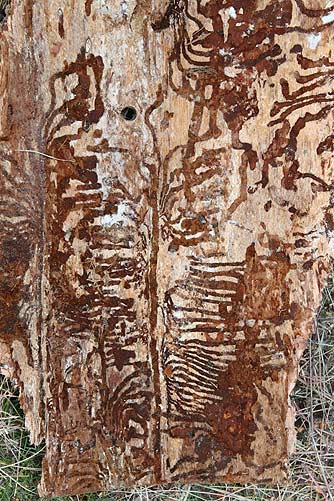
x=160 y=277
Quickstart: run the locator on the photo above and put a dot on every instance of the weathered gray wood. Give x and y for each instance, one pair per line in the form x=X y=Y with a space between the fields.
x=160 y=276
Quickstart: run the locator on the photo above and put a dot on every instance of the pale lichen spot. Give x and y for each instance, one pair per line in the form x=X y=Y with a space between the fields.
x=109 y=220
x=328 y=18
x=124 y=7
x=232 y=12
x=313 y=40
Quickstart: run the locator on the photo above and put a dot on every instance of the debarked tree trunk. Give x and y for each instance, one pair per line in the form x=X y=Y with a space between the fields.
x=166 y=218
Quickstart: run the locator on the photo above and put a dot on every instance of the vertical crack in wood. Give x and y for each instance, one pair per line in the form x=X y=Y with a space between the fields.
x=155 y=333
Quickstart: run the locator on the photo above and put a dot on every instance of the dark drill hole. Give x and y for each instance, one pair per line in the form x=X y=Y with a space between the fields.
x=129 y=113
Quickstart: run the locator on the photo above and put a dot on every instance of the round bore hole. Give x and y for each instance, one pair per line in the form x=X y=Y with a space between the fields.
x=129 y=113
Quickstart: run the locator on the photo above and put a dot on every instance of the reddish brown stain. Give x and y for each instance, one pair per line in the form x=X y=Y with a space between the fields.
x=88 y=7
x=61 y=29
x=129 y=363
x=28 y=16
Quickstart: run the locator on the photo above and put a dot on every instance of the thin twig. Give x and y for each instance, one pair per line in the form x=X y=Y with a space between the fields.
x=47 y=156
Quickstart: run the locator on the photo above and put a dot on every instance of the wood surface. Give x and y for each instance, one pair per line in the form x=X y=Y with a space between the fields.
x=159 y=277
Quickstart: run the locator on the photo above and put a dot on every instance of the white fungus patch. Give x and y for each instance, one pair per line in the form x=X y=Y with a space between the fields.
x=328 y=18
x=232 y=12
x=313 y=40
x=178 y=314
x=111 y=219
x=124 y=7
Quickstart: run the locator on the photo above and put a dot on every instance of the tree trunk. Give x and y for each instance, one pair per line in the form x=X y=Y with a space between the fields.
x=166 y=229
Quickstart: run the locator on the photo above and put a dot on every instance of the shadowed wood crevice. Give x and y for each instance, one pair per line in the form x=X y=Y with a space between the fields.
x=166 y=231
x=4 y=7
